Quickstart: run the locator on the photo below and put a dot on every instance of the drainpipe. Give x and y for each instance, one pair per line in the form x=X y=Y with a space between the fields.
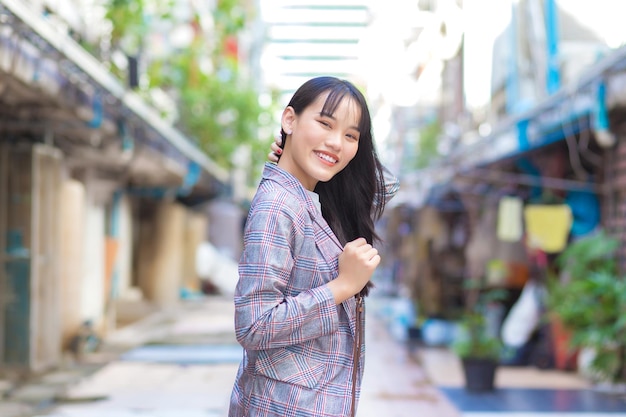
x=553 y=78
x=114 y=224
x=94 y=116
x=191 y=178
x=522 y=135
x=128 y=144
x=96 y=121
x=601 y=128
x=113 y=245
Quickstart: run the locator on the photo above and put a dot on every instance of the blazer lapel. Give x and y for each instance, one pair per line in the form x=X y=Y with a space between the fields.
x=330 y=247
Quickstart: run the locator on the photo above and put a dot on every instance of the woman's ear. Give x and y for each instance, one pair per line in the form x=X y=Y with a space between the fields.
x=289 y=116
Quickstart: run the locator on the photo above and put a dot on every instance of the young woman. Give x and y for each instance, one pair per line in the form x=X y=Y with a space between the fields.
x=308 y=258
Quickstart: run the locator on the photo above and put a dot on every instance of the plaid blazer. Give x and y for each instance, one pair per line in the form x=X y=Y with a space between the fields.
x=297 y=343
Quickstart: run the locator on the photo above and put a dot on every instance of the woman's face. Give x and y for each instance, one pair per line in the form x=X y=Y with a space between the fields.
x=319 y=146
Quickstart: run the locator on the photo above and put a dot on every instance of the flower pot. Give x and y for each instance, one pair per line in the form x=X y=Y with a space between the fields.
x=479 y=374
x=564 y=357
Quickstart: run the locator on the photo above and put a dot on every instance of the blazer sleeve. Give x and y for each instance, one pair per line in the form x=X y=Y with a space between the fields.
x=392 y=184
x=265 y=317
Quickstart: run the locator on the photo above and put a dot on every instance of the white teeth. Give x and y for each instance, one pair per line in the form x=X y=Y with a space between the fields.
x=326 y=158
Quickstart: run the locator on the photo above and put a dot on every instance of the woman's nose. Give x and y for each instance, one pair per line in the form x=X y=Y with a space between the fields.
x=334 y=140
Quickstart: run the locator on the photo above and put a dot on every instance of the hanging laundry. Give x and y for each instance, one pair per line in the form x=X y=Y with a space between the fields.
x=510 y=219
x=548 y=226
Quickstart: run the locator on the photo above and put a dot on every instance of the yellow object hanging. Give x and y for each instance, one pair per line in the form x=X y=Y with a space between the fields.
x=548 y=226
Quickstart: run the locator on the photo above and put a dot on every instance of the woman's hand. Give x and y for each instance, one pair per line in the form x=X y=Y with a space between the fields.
x=274 y=156
x=357 y=263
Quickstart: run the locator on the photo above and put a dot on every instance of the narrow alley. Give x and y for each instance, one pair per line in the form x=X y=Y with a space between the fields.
x=182 y=362
x=134 y=135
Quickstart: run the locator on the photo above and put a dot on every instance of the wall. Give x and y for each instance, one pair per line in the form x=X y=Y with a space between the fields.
x=196 y=225
x=71 y=257
x=160 y=253
x=123 y=263
x=614 y=204
x=92 y=294
x=226 y=227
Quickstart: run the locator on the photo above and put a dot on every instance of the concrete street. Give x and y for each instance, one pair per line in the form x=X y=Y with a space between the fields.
x=182 y=362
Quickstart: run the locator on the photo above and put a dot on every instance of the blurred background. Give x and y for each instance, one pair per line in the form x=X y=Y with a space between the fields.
x=133 y=134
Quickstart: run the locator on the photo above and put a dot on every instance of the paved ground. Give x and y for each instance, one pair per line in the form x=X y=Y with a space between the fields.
x=181 y=382
x=182 y=362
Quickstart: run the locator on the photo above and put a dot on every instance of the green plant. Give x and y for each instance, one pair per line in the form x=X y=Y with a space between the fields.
x=427 y=145
x=475 y=340
x=589 y=298
x=217 y=102
x=594 y=253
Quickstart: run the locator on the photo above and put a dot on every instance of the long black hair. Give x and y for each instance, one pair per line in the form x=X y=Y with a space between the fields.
x=354 y=198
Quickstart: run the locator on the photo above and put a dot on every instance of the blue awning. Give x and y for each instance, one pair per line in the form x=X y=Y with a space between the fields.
x=581 y=106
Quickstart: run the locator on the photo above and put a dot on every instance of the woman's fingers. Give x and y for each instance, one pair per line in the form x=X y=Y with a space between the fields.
x=363 y=250
x=274 y=155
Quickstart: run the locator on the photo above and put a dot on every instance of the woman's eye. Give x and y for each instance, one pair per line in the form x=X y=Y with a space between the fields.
x=325 y=123
x=353 y=137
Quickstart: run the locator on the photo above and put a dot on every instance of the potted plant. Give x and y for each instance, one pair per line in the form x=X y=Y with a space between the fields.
x=478 y=347
x=588 y=297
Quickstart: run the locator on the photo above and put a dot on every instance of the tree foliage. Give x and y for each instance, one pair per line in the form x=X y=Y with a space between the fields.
x=217 y=104
x=427 y=145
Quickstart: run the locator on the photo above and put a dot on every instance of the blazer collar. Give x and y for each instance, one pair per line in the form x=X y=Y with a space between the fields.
x=272 y=172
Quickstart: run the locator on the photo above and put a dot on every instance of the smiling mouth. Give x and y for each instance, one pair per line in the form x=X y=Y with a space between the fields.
x=326 y=157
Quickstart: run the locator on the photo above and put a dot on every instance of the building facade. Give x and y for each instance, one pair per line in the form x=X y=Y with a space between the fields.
x=100 y=198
